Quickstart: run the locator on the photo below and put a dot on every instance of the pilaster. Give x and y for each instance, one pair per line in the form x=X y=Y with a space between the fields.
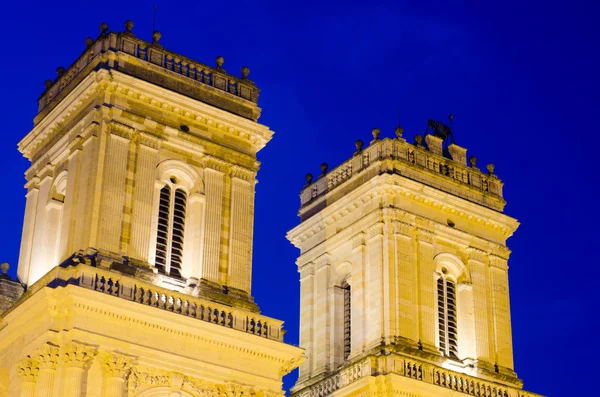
x=116 y=369
x=28 y=370
x=47 y=358
x=77 y=357
x=427 y=304
x=214 y=180
x=406 y=282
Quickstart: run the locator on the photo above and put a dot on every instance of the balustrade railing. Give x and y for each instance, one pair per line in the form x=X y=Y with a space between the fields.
x=402 y=152
x=195 y=72
x=178 y=303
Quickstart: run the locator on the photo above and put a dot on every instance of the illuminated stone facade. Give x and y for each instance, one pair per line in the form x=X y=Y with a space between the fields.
x=137 y=239
x=403 y=271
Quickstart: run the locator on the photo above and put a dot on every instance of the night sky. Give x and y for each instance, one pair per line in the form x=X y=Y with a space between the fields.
x=520 y=77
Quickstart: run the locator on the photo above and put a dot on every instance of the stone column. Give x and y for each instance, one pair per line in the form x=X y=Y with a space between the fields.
x=214 y=181
x=47 y=357
x=427 y=304
x=28 y=369
x=407 y=325
x=359 y=294
x=307 y=302
x=28 y=229
x=76 y=357
x=501 y=311
x=321 y=315
x=116 y=369
x=375 y=316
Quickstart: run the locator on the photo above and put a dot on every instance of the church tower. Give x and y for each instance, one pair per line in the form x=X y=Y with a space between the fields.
x=137 y=240
x=404 y=275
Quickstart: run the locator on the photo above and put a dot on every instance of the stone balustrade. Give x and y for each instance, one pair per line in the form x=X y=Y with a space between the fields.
x=397 y=156
x=143 y=56
x=144 y=293
x=414 y=369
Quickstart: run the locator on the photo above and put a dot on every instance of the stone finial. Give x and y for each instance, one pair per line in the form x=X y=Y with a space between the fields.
x=419 y=140
x=128 y=25
x=103 y=28
x=399 y=132
x=491 y=168
x=376 y=132
x=473 y=161
x=359 y=145
x=156 y=36
x=220 y=61
x=324 y=168
x=309 y=178
x=88 y=42
x=245 y=72
x=4 y=267
x=60 y=70
x=48 y=84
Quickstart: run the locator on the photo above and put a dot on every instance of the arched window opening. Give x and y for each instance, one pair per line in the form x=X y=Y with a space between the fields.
x=447 y=323
x=170 y=231
x=347 y=320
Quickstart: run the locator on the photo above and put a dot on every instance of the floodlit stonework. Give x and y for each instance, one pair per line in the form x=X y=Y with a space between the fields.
x=137 y=240
x=404 y=275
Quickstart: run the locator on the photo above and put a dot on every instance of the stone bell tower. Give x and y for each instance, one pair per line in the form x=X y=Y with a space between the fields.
x=404 y=276
x=137 y=238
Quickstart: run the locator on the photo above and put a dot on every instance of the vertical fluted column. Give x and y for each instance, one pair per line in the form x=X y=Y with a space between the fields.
x=76 y=357
x=359 y=294
x=214 y=182
x=116 y=369
x=47 y=357
x=375 y=316
x=307 y=302
x=28 y=229
x=501 y=311
x=427 y=304
x=28 y=369
x=322 y=318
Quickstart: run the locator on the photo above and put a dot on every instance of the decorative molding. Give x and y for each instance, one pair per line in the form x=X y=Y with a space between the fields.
x=121 y=130
x=215 y=163
x=498 y=262
x=79 y=355
x=242 y=173
x=322 y=260
x=143 y=377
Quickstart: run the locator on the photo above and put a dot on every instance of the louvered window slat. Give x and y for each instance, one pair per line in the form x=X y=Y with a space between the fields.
x=347 y=320
x=447 y=318
x=170 y=231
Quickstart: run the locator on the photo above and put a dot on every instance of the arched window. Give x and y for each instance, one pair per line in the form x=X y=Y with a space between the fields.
x=447 y=319
x=171 y=229
x=347 y=320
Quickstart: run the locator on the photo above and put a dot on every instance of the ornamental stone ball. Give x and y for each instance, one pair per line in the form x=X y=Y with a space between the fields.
x=359 y=145
x=48 y=84
x=324 y=167
x=491 y=168
x=60 y=70
x=88 y=42
x=309 y=178
x=156 y=36
x=245 y=72
x=220 y=61
x=376 y=132
x=473 y=161
x=4 y=267
x=128 y=25
x=103 y=27
x=399 y=132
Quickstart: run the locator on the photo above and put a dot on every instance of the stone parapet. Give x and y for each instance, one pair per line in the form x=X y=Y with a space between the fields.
x=408 y=367
x=145 y=293
x=396 y=156
x=153 y=63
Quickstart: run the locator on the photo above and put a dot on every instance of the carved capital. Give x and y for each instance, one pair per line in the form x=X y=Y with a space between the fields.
x=498 y=262
x=146 y=139
x=308 y=269
x=403 y=228
x=375 y=230
x=28 y=369
x=425 y=236
x=198 y=387
x=242 y=173
x=358 y=240
x=477 y=254
x=117 y=365
x=47 y=356
x=502 y=251
x=236 y=390
x=215 y=163
x=323 y=260
x=122 y=130
x=78 y=355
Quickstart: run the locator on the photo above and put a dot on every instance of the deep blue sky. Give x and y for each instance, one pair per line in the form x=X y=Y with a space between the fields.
x=520 y=77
